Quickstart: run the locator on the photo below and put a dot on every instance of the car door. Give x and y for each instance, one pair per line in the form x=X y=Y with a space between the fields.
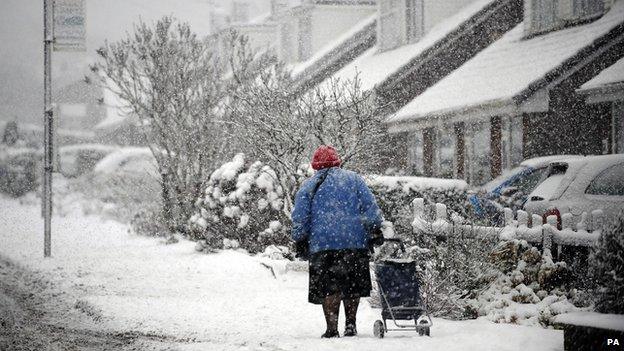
x=605 y=192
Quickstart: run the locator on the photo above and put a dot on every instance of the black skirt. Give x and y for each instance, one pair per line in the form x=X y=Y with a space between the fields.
x=339 y=271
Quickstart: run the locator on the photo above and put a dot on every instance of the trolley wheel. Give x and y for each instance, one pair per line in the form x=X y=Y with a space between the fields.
x=379 y=329
x=421 y=331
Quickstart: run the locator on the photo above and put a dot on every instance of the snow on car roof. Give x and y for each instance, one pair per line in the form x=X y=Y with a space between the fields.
x=546 y=160
x=581 y=171
x=507 y=68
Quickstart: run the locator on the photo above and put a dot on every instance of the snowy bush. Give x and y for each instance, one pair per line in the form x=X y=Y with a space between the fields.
x=19 y=170
x=607 y=268
x=450 y=270
x=395 y=194
x=525 y=287
x=149 y=223
x=243 y=202
x=79 y=159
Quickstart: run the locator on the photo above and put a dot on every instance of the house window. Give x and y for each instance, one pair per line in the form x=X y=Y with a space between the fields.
x=389 y=32
x=416 y=153
x=414 y=24
x=548 y=15
x=478 y=152
x=446 y=149
x=583 y=9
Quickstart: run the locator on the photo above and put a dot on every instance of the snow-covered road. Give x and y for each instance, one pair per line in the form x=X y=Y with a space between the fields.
x=192 y=301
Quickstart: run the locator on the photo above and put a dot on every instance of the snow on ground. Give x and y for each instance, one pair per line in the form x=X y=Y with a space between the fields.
x=194 y=301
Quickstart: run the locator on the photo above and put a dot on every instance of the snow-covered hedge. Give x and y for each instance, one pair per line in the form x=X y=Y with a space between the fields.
x=78 y=159
x=243 y=203
x=19 y=170
x=607 y=268
x=526 y=287
x=395 y=195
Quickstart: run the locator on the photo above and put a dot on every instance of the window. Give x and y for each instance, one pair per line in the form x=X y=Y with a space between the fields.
x=416 y=153
x=527 y=182
x=414 y=24
x=548 y=15
x=608 y=182
x=582 y=9
x=389 y=30
x=478 y=152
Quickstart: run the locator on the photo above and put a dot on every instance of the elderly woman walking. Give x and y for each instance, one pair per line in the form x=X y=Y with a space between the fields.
x=336 y=215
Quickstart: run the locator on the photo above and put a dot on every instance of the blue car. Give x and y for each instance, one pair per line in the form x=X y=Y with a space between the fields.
x=510 y=189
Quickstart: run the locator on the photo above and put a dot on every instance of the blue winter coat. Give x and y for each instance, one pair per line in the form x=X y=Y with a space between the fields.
x=342 y=216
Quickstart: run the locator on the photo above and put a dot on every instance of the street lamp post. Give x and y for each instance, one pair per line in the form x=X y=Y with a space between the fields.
x=48 y=119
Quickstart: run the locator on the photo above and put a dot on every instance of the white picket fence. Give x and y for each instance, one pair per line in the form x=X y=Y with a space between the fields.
x=584 y=233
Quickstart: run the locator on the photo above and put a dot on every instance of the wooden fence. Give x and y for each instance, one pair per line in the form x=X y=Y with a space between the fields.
x=523 y=227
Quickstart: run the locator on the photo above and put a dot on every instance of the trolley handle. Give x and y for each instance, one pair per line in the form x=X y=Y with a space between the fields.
x=398 y=241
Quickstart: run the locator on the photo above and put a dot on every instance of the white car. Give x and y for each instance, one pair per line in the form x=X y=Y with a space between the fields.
x=581 y=185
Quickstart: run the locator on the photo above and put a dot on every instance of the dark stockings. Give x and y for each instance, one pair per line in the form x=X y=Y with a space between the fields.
x=351 y=306
x=331 y=309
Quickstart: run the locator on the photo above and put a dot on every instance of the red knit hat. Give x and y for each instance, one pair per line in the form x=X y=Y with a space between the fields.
x=325 y=157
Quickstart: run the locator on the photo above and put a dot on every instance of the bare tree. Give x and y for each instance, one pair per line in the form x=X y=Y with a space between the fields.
x=173 y=82
x=283 y=127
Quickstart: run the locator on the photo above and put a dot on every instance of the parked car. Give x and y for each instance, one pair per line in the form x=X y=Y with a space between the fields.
x=580 y=185
x=512 y=188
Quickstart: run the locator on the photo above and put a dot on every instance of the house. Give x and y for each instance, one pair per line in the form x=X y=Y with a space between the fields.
x=518 y=98
x=606 y=91
x=296 y=30
x=419 y=42
x=79 y=106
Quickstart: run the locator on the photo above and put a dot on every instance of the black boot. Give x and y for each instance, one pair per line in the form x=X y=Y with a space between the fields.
x=350 y=330
x=331 y=334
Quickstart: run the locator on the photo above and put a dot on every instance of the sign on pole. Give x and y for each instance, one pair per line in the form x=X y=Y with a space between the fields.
x=69 y=25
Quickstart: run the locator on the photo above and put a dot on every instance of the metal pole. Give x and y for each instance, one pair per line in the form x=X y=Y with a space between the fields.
x=48 y=119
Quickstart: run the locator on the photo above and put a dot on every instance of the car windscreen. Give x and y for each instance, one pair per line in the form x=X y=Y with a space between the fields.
x=498 y=181
x=549 y=186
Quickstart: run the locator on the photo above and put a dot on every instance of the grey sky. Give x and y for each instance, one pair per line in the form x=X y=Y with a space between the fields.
x=21 y=33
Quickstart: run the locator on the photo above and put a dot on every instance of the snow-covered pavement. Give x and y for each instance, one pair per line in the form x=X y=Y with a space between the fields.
x=192 y=301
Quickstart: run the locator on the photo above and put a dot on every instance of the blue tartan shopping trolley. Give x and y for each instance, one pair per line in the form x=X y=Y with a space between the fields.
x=399 y=290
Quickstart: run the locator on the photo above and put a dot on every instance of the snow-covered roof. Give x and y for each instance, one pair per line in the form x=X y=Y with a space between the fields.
x=507 y=68
x=613 y=74
x=374 y=67
x=299 y=68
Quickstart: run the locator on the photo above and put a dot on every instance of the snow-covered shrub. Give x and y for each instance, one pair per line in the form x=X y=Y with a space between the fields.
x=607 y=268
x=76 y=160
x=450 y=270
x=526 y=287
x=243 y=201
x=149 y=222
x=19 y=170
x=395 y=195
x=128 y=179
